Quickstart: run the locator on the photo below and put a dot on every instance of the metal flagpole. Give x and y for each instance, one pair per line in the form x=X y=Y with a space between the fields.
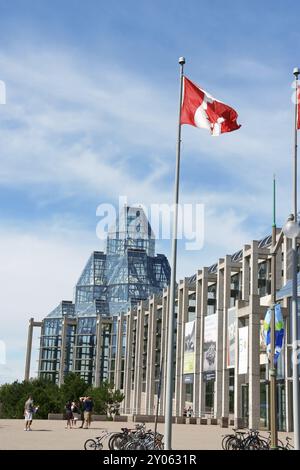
x=294 y=288
x=272 y=370
x=170 y=350
x=158 y=399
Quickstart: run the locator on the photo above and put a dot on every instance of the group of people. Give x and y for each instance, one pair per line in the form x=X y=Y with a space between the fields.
x=188 y=412
x=73 y=412
x=79 y=410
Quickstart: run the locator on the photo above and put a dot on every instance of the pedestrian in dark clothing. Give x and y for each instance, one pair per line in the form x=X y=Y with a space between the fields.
x=69 y=414
x=81 y=411
x=88 y=406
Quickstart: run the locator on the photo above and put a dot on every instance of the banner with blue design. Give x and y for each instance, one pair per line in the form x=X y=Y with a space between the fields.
x=279 y=331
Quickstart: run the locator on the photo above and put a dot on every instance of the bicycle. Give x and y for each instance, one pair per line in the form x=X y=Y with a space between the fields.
x=97 y=442
x=244 y=440
x=287 y=446
x=136 y=439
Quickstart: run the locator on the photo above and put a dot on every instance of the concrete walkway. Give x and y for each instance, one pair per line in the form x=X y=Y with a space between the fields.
x=53 y=435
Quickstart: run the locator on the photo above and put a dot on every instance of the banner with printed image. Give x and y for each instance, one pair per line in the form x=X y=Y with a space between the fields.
x=210 y=343
x=231 y=327
x=189 y=348
x=243 y=350
x=263 y=358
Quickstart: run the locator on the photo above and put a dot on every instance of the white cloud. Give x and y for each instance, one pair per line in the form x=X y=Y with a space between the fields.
x=37 y=271
x=73 y=130
x=61 y=118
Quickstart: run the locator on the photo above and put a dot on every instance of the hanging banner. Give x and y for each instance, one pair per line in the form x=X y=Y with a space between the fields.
x=243 y=350
x=263 y=358
x=231 y=324
x=279 y=331
x=210 y=343
x=189 y=348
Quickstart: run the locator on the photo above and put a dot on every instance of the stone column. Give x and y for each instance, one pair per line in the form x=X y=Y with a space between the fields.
x=220 y=292
x=254 y=268
x=254 y=363
x=29 y=348
x=198 y=347
x=75 y=349
x=61 y=372
x=41 y=351
x=98 y=351
x=138 y=358
x=163 y=347
x=225 y=371
x=182 y=319
x=151 y=352
x=203 y=313
x=128 y=361
x=287 y=381
x=245 y=274
x=253 y=346
x=238 y=379
x=279 y=267
x=118 y=360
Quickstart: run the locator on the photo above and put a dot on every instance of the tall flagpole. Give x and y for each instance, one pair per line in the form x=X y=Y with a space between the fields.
x=272 y=370
x=294 y=288
x=171 y=321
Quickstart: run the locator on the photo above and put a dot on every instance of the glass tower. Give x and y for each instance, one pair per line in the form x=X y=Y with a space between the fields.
x=109 y=284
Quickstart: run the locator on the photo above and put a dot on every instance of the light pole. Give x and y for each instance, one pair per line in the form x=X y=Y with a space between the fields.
x=272 y=370
x=292 y=230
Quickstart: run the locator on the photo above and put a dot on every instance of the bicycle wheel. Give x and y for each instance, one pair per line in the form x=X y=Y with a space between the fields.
x=118 y=441
x=111 y=440
x=90 y=444
x=136 y=445
x=252 y=443
x=234 y=443
x=225 y=440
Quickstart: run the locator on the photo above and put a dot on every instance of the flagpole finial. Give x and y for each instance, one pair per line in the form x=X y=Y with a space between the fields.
x=181 y=60
x=296 y=72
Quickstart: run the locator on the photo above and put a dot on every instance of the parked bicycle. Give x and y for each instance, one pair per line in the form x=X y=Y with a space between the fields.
x=251 y=440
x=98 y=442
x=287 y=446
x=136 y=439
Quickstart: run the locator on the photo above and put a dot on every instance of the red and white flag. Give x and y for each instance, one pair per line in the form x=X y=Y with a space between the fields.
x=298 y=107
x=200 y=109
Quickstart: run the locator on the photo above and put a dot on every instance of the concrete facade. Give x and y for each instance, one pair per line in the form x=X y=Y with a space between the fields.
x=205 y=380
x=241 y=281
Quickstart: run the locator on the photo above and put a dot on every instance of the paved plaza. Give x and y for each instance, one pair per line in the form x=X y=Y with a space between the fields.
x=53 y=435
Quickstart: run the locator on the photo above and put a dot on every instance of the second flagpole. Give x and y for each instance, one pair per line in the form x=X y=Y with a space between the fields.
x=171 y=313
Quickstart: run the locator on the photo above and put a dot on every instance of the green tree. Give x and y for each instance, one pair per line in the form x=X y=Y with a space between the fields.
x=51 y=399
x=44 y=393
x=106 y=399
x=73 y=388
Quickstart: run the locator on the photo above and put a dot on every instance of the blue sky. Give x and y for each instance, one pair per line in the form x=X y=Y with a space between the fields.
x=91 y=114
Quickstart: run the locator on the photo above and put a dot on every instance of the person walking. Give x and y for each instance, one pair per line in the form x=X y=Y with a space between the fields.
x=74 y=409
x=88 y=406
x=69 y=414
x=81 y=410
x=28 y=413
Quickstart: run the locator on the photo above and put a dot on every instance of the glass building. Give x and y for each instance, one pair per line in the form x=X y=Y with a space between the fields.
x=80 y=336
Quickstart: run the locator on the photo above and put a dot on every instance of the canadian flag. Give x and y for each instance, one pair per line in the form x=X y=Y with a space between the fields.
x=200 y=109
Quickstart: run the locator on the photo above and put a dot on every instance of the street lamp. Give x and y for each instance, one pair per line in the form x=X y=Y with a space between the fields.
x=291 y=228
